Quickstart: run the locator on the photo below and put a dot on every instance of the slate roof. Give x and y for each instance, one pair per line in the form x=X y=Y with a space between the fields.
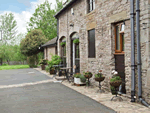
x=52 y=42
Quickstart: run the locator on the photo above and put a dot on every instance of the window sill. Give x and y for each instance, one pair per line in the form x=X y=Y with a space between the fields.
x=90 y=13
x=119 y=53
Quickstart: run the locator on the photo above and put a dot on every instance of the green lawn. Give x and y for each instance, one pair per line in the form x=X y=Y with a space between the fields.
x=13 y=67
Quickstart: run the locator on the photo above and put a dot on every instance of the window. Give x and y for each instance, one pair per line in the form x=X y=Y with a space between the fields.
x=91 y=43
x=91 y=5
x=77 y=53
x=63 y=52
x=119 y=38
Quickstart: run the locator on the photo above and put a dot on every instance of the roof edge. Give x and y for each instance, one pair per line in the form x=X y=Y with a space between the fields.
x=64 y=8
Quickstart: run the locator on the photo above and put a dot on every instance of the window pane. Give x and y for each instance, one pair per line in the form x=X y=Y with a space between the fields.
x=91 y=37
x=77 y=51
x=64 y=51
x=122 y=42
x=117 y=38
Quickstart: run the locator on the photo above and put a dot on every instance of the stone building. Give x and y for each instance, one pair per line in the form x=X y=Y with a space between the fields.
x=104 y=31
x=50 y=48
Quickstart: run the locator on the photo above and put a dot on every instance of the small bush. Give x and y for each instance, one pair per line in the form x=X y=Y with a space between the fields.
x=47 y=68
x=4 y=64
x=79 y=75
x=83 y=79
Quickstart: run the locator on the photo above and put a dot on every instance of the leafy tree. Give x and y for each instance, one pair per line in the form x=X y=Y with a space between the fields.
x=44 y=19
x=30 y=45
x=8 y=26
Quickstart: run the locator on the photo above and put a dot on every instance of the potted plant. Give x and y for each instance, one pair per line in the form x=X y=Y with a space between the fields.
x=43 y=63
x=99 y=76
x=55 y=60
x=63 y=43
x=76 y=41
x=79 y=79
x=88 y=74
x=115 y=82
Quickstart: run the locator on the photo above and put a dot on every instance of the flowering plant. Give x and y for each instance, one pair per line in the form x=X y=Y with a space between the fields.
x=115 y=76
x=99 y=74
x=87 y=73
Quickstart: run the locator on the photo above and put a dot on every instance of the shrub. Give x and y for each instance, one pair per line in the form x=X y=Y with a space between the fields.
x=79 y=75
x=31 y=61
x=43 y=62
x=83 y=79
x=54 y=61
x=47 y=68
x=4 y=64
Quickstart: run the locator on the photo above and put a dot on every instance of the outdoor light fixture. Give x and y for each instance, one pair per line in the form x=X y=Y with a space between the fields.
x=72 y=11
x=71 y=25
x=122 y=28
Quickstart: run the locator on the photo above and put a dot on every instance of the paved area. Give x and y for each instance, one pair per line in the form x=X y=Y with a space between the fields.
x=19 y=76
x=48 y=98
x=121 y=107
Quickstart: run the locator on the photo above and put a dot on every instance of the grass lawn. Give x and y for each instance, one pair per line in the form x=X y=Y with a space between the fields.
x=13 y=67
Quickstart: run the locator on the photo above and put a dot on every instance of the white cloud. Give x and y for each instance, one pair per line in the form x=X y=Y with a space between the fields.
x=24 y=17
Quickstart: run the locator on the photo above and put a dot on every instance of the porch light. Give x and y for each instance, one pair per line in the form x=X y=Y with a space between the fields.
x=122 y=27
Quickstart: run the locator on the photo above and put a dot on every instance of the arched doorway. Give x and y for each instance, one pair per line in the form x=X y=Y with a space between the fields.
x=75 y=53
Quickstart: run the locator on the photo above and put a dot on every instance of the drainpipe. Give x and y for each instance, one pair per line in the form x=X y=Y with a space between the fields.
x=139 y=55
x=132 y=52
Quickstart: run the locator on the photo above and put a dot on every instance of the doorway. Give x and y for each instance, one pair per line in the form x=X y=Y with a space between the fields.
x=75 y=54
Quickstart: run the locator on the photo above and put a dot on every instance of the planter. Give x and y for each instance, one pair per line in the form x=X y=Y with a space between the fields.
x=43 y=67
x=78 y=81
x=88 y=76
x=99 y=79
x=52 y=71
x=116 y=83
x=113 y=92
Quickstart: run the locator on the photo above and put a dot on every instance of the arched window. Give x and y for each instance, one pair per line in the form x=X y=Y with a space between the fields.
x=63 y=50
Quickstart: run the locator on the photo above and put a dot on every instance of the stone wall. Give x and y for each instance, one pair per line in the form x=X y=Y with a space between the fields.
x=103 y=18
x=50 y=51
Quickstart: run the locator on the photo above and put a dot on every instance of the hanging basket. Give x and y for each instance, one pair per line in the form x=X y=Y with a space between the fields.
x=76 y=41
x=63 y=43
x=116 y=83
x=99 y=79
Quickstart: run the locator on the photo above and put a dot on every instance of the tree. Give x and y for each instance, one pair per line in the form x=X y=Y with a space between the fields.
x=44 y=19
x=30 y=45
x=8 y=26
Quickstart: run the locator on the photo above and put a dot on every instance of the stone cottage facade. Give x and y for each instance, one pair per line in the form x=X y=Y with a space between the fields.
x=104 y=31
x=50 y=48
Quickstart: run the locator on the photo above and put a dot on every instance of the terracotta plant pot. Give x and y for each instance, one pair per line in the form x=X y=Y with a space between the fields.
x=99 y=79
x=52 y=71
x=88 y=76
x=43 y=67
x=116 y=83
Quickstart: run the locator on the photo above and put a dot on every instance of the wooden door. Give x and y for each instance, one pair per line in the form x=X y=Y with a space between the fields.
x=120 y=68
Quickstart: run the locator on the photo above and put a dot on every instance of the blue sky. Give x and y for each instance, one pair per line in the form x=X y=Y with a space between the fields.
x=22 y=10
x=15 y=5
